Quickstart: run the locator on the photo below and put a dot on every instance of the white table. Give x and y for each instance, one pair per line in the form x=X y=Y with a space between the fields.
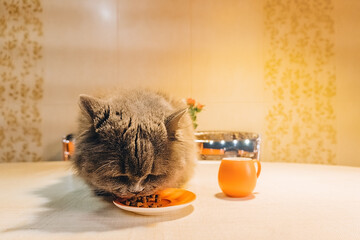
x=291 y=201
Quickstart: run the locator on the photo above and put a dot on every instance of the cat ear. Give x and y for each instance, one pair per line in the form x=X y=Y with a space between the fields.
x=97 y=109
x=172 y=122
x=91 y=105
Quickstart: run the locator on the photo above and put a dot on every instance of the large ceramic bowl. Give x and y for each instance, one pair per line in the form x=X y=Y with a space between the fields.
x=215 y=145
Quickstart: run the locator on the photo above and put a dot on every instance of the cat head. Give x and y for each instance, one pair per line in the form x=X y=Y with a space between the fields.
x=125 y=148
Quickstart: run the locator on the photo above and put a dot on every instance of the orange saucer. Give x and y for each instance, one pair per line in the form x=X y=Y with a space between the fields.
x=177 y=198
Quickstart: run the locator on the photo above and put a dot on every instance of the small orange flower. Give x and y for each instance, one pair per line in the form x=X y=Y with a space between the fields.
x=190 y=101
x=194 y=108
x=199 y=106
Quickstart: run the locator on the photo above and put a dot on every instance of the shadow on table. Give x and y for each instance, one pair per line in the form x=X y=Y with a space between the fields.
x=70 y=206
x=222 y=196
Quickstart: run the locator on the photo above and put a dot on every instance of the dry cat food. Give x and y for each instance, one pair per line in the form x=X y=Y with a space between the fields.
x=152 y=201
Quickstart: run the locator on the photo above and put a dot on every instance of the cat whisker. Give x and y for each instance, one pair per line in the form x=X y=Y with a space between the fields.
x=83 y=133
x=117 y=188
x=186 y=126
x=102 y=168
x=188 y=139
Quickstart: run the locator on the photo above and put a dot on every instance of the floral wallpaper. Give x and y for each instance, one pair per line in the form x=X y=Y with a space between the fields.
x=300 y=81
x=299 y=73
x=21 y=77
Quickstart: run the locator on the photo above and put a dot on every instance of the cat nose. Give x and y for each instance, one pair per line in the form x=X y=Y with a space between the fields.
x=136 y=189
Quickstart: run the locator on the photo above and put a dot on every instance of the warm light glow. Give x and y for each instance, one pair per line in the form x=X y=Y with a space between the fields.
x=106 y=13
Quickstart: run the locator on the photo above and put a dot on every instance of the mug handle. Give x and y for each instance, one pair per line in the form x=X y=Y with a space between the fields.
x=258 y=167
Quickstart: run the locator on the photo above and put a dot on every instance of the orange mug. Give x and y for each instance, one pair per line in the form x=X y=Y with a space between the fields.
x=237 y=176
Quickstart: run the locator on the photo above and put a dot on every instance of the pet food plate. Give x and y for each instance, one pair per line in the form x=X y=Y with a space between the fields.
x=175 y=199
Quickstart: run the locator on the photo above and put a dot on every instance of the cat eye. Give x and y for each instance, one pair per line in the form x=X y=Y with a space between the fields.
x=150 y=177
x=122 y=178
x=153 y=177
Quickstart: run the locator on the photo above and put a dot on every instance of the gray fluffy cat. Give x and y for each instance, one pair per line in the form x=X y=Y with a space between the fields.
x=134 y=143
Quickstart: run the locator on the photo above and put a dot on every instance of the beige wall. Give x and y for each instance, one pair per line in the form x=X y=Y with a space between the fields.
x=217 y=52
x=347 y=52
